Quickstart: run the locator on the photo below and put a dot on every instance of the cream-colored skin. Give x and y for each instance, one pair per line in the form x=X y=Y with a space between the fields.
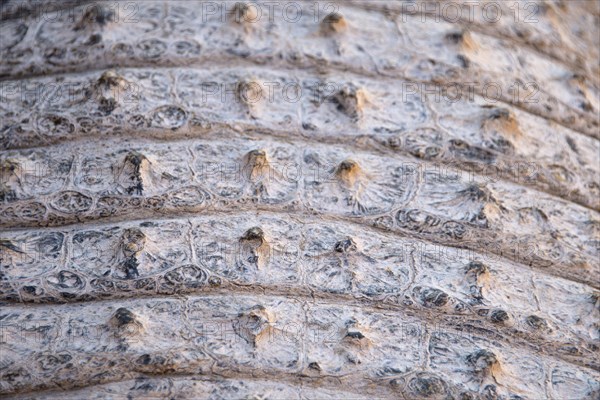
x=372 y=42
x=200 y=206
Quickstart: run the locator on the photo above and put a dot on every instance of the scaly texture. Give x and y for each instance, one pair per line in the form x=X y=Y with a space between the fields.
x=226 y=203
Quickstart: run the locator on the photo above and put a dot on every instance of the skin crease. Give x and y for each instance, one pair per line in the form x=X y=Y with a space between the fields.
x=212 y=203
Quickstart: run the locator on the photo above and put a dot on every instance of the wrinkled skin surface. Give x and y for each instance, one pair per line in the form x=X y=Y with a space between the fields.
x=205 y=200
